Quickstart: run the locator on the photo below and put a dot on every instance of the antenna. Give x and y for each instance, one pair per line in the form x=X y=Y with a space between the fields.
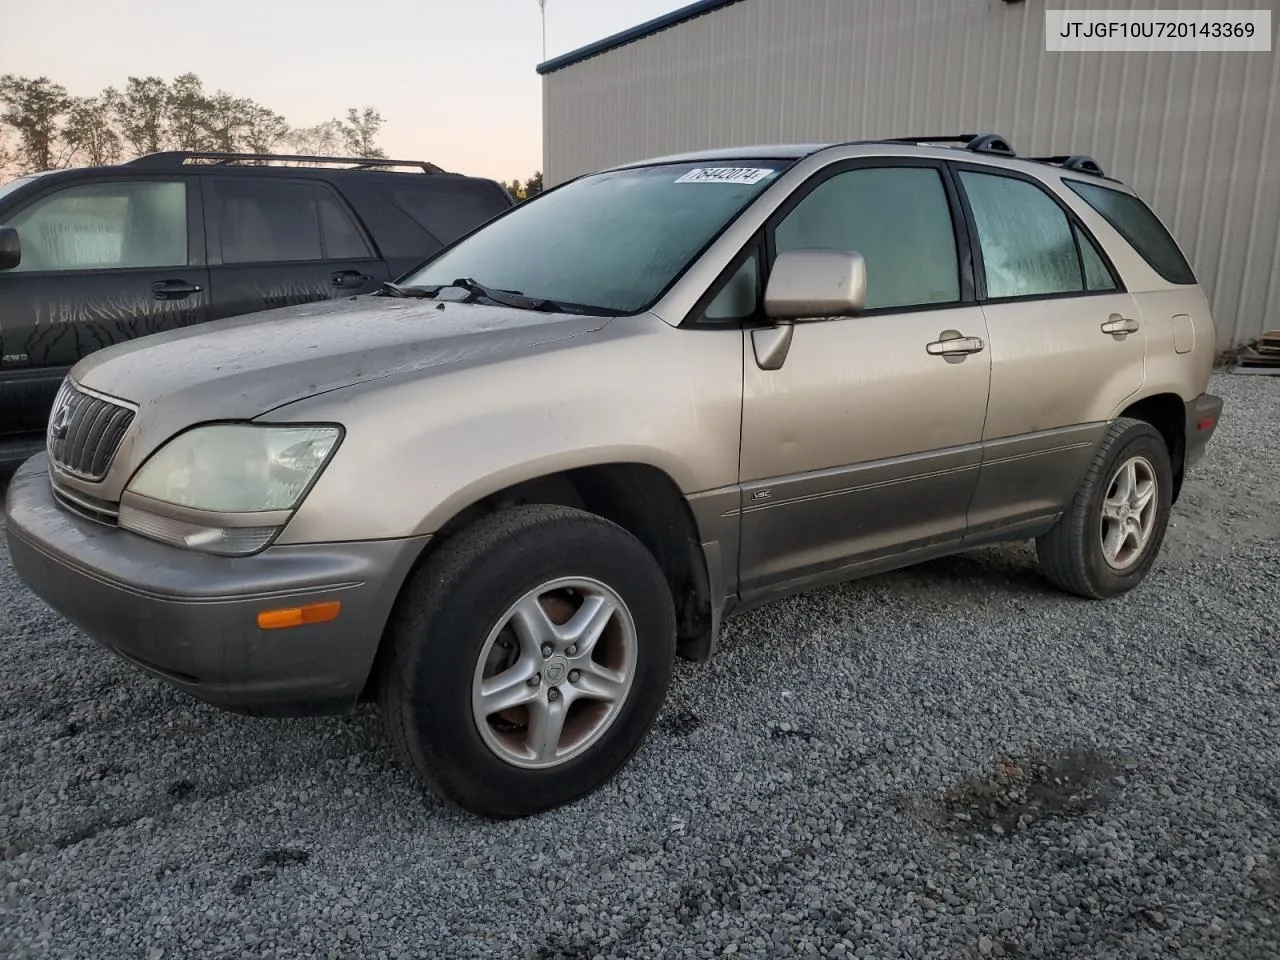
x=542 y=8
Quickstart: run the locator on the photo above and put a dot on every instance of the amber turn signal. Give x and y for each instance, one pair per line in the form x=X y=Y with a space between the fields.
x=299 y=616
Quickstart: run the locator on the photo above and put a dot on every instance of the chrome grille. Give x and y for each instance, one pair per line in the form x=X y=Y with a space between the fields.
x=84 y=431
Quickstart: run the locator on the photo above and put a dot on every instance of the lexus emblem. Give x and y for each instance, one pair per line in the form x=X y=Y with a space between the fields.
x=61 y=420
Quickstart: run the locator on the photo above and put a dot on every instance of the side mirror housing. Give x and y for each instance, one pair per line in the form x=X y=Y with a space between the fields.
x=812 y=284
x=10 y=248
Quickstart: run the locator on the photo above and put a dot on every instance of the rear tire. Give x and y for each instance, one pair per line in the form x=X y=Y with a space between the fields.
x=470 y=635
x=1110 y=534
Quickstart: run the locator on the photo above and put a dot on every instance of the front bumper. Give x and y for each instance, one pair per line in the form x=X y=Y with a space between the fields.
x=1203 y=414
x=191 y=619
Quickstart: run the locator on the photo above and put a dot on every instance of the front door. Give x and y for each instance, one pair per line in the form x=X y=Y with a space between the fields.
x=103 y=261
x=1067 y=348
x=864 y=444
x=277 y=242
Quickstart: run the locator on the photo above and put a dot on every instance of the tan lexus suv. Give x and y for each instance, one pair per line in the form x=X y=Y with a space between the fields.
x=501 y=495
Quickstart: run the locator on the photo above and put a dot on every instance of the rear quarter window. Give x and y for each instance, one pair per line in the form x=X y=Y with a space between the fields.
x=447 y=210
x=1135 y=221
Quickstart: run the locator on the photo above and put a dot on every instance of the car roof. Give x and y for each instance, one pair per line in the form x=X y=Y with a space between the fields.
x=990 y=146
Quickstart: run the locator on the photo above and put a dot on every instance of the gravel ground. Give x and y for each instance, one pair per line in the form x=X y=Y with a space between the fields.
x=952 y=761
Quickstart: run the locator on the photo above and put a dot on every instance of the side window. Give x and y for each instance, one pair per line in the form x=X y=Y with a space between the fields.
x=1097 y=276
x=105 y=226
x=449 y=210
x=261 y=221
x=897 y=218
x=1134 y=221
x=1027 y=244
x=342 y=239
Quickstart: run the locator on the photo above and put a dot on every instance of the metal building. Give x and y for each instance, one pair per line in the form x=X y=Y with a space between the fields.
x=1197 y=134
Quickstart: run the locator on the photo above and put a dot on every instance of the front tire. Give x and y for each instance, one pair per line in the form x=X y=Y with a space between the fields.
x=530 y=656
x=1110 y=534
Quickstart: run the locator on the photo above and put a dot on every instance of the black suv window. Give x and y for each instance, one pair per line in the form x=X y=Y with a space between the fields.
x=260 y=221
x=1134 y=221
x=897 y=218
x=342 y=238
x=448 y=211
x=105 y=226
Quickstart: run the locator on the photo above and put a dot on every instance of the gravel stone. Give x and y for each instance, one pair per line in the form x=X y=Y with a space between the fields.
x=825 y=786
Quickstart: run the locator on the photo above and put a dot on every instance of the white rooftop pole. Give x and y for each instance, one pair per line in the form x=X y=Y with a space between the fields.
x=542 y=6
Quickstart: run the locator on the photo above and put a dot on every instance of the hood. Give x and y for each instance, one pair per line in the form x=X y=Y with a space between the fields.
x=242 y=367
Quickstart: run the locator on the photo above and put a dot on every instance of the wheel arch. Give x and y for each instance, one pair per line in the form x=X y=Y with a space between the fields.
x=1167 y=413
x=639 y=497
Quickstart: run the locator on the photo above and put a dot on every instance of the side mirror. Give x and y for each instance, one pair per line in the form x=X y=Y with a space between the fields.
x=807 y=284
x=10 y=248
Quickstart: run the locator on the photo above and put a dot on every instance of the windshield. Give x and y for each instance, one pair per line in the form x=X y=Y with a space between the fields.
x=610 y=241
x=12 y=185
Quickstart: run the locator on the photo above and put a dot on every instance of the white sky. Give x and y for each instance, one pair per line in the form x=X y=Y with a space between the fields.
x=454 y=79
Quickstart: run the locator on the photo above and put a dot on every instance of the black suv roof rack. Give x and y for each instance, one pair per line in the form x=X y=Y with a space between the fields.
x=174 y=158
x=1076 y=161
x=974 y=142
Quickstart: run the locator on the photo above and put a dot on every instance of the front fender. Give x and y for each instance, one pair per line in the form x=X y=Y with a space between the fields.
x=418 y=451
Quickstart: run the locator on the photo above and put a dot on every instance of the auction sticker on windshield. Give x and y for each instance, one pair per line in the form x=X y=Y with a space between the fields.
x=725 y=175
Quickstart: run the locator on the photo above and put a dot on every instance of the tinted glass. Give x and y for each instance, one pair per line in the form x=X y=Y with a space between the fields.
x=613 y=241
x=1097 y=277
x=266 y=222
x=1026 y=239
x=450 y=211
x=102 y=226
x=897 y=218
x=342 y=239
x=739 y=296
x=1135 y=222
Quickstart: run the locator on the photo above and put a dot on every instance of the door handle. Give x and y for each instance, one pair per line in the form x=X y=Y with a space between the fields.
x=349 y=278
x=951 y=346
x=1119 y=326
x=174 y=289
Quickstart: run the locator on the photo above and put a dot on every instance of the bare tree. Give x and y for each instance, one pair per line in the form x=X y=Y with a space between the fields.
x=32 y=109
x=87 y=133
x=48 y=129
x=360 y=132
x=187 y=109
x=142 y=113
x=264 y=129
x=8 y=156
x=324 y=139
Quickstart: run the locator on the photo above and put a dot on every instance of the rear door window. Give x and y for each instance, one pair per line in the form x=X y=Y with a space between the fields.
x=1098 y=277
x=342 y=238
x=1028 y=248
x=1136 y=222
x=261 y=221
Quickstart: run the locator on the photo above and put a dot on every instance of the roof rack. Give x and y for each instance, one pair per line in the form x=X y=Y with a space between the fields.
x=1076 y=161
x=973 y=142
x=171 y=158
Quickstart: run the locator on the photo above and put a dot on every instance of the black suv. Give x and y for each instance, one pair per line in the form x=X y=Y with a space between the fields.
x=96 y=255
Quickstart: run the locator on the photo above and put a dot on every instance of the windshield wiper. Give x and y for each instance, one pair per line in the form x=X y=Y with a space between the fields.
x=395 y=290
x=506 y=298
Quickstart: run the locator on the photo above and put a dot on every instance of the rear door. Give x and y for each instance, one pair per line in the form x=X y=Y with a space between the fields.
x=1067 y=345
x=277 y=242
x=104 y=259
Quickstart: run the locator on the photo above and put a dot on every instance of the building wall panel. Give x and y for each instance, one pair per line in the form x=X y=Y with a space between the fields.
x=1196 y=134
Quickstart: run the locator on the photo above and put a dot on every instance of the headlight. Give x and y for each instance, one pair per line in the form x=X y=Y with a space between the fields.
x=225 y=488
